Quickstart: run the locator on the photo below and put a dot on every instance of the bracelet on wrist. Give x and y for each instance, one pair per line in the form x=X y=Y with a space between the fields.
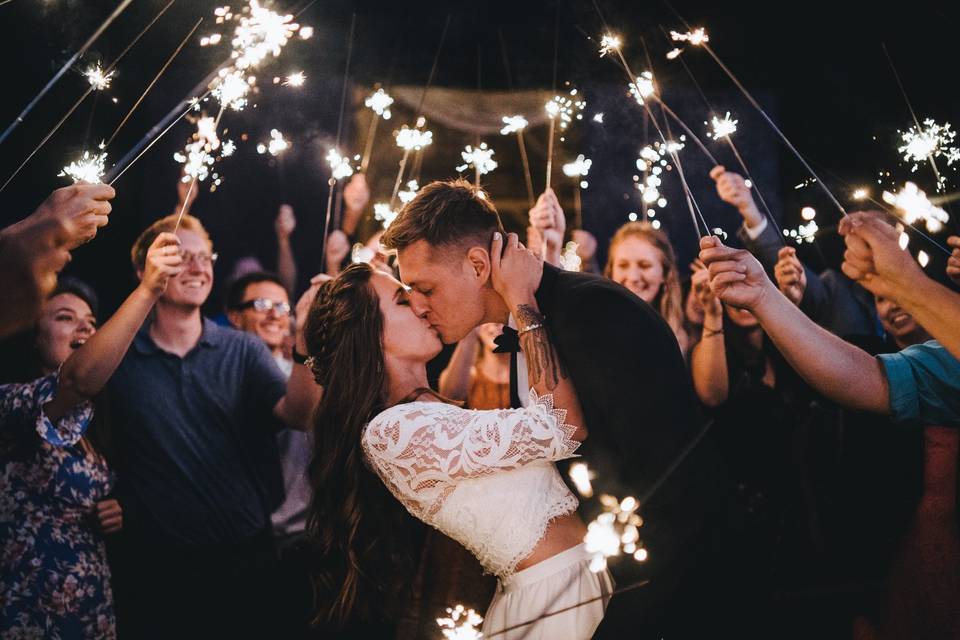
x=709 y=333
x=298 y=357
x=533 y=327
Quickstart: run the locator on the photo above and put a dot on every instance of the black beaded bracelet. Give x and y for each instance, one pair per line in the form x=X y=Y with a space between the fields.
x=299 y=358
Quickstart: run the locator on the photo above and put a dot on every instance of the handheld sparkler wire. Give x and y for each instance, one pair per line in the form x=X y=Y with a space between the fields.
x=153 y=82
x=729 y=140
x=528 y=179
x=332 y=182
x=767 y=118
x=69 y=63
x=90 y=89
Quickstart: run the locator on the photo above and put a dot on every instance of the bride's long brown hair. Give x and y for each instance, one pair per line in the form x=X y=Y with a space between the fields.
x=362 y=535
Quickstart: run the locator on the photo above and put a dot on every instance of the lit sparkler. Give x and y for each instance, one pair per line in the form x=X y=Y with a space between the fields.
x=643 y=87
x=615 y=531
x=408 y=194
x=722 y=128
x=380 y=102
x=565 y=108
x=580 y=474
x=232 y=90
x=276 y=145
x=196 y=161
x=295 y=79
x=413 y=139
x=227 y=148
x=87 y=168
x=860 y=194
x=339 y=164
x=579 y=167
x=928 y=143
x=513 y=124
x=480 y=158
x=461 y=624
x=696 y=37
x=598 y=117
x=674 y=53
x=383 y=213
x=97 y=78
x=913 y=202
x=361 y=253
x=260 y=32
x=609 y=43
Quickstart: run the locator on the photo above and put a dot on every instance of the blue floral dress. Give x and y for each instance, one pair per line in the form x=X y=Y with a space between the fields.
x=54 y=578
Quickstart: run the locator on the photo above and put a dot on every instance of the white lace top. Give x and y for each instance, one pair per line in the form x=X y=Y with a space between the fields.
x=484 y=478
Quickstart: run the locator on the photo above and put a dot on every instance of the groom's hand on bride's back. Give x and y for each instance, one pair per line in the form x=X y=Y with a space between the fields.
x=736 y=277
x=515 y=272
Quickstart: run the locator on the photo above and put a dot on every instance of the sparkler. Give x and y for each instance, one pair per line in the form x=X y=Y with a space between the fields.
x=642 y=88
x=480 y=158
x=926 y=143
x=87 y=168
x=259 y=34
x=339 y=164
x=360 y=253
x=579 y=167
x=275 y=146
x=228 y=148
x=409 y=140
x=562 y=109
x=295 y=79
x=513 y=124
x=913 y=202
x=67 y=65
x=232 y=90
x=461 y=624
x=196 y=161
x=97 y=78
x=860 y=194
x=516 y=124
x=598 y=117
x=722 y=128
x=379 y=102
x=580 y=474
x=383 y=213
x=609 y=43
x=615 y=531
x=410 y=192
x=695 y=37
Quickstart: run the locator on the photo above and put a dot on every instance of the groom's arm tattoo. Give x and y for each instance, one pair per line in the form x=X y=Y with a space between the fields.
x=543 y=361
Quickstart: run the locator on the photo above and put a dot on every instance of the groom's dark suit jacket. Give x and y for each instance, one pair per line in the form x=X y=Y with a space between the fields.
x=641 y=411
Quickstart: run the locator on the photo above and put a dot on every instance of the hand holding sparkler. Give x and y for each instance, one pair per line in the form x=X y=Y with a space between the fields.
x=790 y=275
x=78 y=210
x=285 y=223
x=163 y=261
x=736 y=277
x=953 y=262
x=874 y=257
x=549 y=224
x=733 y=189
x=708 y=301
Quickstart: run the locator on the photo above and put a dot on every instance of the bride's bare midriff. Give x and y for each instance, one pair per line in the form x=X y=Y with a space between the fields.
x=563 y=532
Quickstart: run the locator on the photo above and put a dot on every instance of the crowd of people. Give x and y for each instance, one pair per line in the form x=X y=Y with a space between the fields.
x=399 y=440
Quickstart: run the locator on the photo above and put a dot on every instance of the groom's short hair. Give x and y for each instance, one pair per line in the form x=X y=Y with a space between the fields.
x=445 y=214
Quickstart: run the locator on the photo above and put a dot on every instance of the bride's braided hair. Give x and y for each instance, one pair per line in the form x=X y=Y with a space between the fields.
x=357 y=527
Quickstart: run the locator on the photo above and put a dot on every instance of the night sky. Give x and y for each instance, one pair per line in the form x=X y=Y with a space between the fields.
x=817 y=68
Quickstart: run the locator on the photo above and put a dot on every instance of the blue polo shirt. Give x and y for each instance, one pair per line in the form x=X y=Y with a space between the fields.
x=924 y=382
x=196 y=437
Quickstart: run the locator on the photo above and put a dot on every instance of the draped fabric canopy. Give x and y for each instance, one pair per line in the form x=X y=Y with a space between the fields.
x=472 y=111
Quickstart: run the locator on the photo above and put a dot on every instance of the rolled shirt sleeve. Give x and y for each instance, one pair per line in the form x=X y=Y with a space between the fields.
x=924 y=381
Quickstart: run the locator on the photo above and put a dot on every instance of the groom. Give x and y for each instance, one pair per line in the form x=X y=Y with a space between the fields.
x=632 y=383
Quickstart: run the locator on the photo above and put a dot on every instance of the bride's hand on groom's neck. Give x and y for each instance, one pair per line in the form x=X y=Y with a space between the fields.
x=515 y=271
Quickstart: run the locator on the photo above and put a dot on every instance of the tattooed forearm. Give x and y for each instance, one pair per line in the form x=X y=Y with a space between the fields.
x=543 y=362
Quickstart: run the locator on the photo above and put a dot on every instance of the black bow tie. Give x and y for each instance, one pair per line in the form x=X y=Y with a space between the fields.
x=508 y=341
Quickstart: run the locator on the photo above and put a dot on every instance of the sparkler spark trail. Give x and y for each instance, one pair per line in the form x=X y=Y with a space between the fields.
x=87 y=168
x=722 y=128
x=275 y=146
x=461 y=624
x=513 y=124
x=915 y=206
x=480 y=158
x=563 y=110
x=609 y=43
x=928 y=143
x=97 y=78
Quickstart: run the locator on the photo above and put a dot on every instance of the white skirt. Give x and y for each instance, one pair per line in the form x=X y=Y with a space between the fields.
x=556 y=599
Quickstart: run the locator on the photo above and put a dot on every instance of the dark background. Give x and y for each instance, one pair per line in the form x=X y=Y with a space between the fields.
x=817 y=67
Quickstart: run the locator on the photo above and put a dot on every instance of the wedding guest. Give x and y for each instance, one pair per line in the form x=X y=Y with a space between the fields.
x=55 y=482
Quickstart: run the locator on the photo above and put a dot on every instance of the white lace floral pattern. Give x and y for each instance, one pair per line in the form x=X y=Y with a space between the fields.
x=485 y=478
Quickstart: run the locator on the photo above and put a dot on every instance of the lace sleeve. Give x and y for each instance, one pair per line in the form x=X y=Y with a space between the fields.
x=420 y=447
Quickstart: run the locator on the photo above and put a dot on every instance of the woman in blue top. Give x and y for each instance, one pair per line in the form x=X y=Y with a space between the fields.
x=54 y=480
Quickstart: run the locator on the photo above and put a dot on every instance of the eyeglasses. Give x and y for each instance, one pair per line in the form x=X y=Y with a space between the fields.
x=266 y=304
x=202 y=259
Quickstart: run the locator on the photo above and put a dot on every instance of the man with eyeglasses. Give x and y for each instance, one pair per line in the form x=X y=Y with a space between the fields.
x=195 y=409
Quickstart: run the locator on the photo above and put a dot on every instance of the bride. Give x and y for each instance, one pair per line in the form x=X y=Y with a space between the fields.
x=487 y=479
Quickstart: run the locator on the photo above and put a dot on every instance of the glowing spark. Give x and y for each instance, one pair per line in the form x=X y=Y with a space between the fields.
x=88 y=168
x=722 y=128
x=808 y=213
x=915 y=206
x=207 y=132
x=719 y=232
x=295 y=79
x=860 y=194
x=413 y=139
x=410 y=192
x=380 y=102
x=803 y=233
x=196 y=161
x=276 y=145
x=306 y=33
x=361 y=253
x=260 y=32
x=598 y=117
x=212 y=39
x=481 y=159
x=932 y=141
x=461 y=624
x=674 y=53
x=383 y=213
x=232 y=91
x=565 y=108
x=696 y=37
x=512 y=124
x=615 y=530
x=643 y=88
x=579 y=472
x=609 y=43
x=228 y=148
x=579 y=167
x=653 y=161
x=903 y=240
x=97 y=79
x=340 y=165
